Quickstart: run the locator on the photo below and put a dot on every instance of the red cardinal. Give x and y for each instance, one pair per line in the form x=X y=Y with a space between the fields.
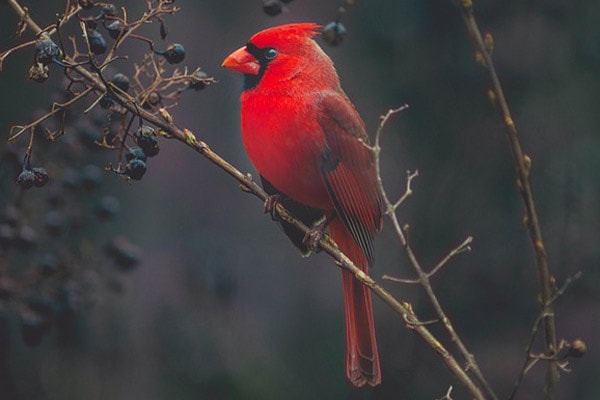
x=308 y=143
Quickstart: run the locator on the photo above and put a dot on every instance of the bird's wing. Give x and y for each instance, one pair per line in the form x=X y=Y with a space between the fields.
x=348 y=169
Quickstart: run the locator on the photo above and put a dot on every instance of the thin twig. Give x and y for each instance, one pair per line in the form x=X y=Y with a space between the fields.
x=523 y=165
x=461 y=248
x=448 y=395
x=423 y=277
x=530 y=361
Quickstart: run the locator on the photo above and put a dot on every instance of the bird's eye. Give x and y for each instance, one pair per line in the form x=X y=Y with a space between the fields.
x=270 y=53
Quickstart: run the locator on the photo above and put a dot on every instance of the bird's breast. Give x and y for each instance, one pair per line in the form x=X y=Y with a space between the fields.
x=285 y=143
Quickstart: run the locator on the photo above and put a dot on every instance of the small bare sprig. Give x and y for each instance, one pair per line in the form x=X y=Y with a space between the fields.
x=448 y=395
x=530 y=358
x=461 y=248
x=424 y=277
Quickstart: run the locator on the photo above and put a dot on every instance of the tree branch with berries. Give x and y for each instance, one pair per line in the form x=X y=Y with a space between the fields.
x=138 y=109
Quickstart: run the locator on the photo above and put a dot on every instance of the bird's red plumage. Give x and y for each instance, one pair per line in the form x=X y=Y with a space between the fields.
x=305 y=137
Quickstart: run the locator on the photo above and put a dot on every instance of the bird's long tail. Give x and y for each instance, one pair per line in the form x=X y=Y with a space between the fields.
x=362 y=357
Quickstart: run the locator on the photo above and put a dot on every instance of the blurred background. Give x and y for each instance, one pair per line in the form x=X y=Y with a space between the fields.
x=209 y=299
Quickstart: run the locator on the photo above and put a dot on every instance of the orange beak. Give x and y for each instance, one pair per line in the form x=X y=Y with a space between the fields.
x=242 y=61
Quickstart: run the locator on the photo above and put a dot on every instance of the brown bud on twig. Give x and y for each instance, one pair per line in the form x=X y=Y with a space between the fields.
x=577 y=348
x=488 y=40
x=479 y=59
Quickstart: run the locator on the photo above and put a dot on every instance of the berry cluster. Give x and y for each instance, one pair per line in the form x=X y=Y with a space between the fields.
x=333 y=33
x=50 y=241
x=48 y=251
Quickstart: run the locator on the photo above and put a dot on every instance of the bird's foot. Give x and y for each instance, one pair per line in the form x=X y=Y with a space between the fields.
x=317 y=232
x=270 y=206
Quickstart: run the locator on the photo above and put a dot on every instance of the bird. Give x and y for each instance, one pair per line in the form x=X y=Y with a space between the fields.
x=311 y=148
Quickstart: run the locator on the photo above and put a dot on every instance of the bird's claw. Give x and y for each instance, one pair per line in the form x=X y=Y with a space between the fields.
x=313 y=237
x=271 y=204
x=317 y=232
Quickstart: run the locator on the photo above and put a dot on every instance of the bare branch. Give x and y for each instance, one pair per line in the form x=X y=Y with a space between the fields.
x=448 y=394
x=424 y=278
x=522 y=164
x=461 y=248
x=530 y=359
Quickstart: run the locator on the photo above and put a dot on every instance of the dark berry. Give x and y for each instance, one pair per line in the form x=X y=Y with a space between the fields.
x=174 y=54
x=40 y=175
x=7 y=288
x=152 y=100
x=49 y=264
x=26 y=239
x=7 y=235
x=71 y=179
x=88 y=135
x=109 y=10
x=11 y=216
x=125 y=254
x=33 y=328
x=135 y=169
x=97 y=42
x=107 y=207
x=147 y=140
x=199 y=80
x=69 y=296
x=55 y=222
x=135 y=153
x=121 y=81
x=86 y=4
x=334 y=33
x=26 y=179
x=43 y=306
x=115 y=28
x=272 y=7
x=106 y=101
x=91 y=24
x=91 y=176
x=55 y=196
x=46 y=50
x=224 y=284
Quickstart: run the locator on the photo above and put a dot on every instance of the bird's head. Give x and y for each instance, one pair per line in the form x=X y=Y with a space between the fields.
x=280 y=54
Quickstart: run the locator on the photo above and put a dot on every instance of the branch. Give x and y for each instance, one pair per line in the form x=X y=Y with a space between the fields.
x=523 y=167
x=530 y=360
x=424 y=278
x=461 y=248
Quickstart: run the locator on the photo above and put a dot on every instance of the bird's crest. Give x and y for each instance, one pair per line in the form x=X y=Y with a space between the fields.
x=282 y=34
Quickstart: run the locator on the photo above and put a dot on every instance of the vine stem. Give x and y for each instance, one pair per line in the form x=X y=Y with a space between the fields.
x=522 y=164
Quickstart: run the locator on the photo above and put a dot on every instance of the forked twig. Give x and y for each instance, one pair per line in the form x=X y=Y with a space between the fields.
x=530 y=361
x=423 y=277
